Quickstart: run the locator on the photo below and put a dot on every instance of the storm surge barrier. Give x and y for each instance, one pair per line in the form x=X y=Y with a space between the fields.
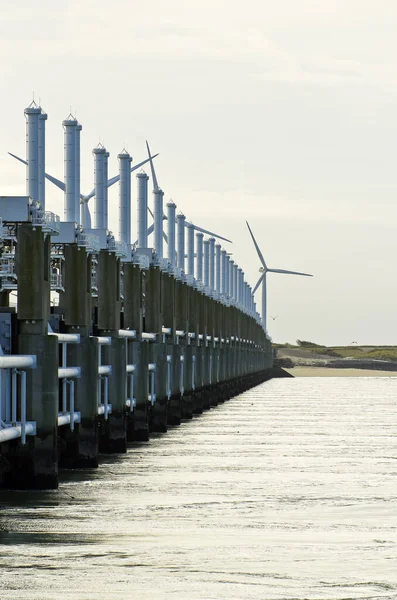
x=104 y=341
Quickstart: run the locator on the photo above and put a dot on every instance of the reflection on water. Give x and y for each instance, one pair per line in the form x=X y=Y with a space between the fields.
x=287 y=491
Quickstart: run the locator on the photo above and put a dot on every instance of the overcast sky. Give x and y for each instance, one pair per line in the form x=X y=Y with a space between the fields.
x=280 y=113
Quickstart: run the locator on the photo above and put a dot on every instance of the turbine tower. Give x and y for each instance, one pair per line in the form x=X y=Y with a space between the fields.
x=264 y=269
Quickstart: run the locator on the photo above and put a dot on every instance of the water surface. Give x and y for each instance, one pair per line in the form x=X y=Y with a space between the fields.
x=288 y=491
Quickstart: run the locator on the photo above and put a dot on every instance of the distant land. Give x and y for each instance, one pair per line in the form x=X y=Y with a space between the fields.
x=310 y=359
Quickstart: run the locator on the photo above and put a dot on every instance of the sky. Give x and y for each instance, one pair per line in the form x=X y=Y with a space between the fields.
x=279 y=113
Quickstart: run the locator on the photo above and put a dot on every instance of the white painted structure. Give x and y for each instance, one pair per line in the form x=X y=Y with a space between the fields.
x=32 y=150
x=124 y=229
x=42 y=119
x=142 y=181
x=171 y=211
x=190 y=249
x=69 y=126
x=77 y=189
x=199 y=256
x=100 y=210
x=218 y=268
x=181 y=240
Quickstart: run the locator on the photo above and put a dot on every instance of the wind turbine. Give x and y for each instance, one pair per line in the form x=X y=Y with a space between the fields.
x=264 y=269
x=156 y=188
x=84 y=198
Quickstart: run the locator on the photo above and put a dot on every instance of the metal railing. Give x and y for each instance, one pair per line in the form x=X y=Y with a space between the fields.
x=89 y=241
x=152 y=383
x=169 y=365
x=193 y=373
x=67 y=375
x=182 y=375
x=103 y=408
x=56 y=282
x=8 y=276
x=130 y=401
x=47 y=220
x=13 y=397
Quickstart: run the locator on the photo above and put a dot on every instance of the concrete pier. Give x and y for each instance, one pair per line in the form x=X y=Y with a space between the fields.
x=132 y=347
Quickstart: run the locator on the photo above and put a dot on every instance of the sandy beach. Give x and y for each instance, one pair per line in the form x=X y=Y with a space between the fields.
x=328 y=372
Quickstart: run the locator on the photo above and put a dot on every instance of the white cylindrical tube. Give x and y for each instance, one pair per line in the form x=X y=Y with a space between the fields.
x=180 y=219
x=212 y=263
x=171 y=210
x=142 y=179
x=158 y=221
x=223 y=272
x=124 y=230
x=42 y=119
x=32 y=151
x=218 y=268
x=69 y=127
x=99 y=198
x=239 y=284
x=190 y=249
x=227 y=262
x=206 y=263
x=77 y=177
x=199 y=256
x=235 y=278
x=105 y=189
x=231 y=279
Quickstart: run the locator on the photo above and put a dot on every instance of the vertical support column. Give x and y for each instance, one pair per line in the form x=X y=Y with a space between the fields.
x=138 y=419
x=41 y=134
x=81 y=445
x=199 y=256
x=153 y=324
x=218 y=268
x=32 y=151
x=99 y=198
x=78 y=211
x=231 y=280
x=114 y=437
x=181 y=240
x=105 y=189
x=69 y=127
x=171 y=209
x=206 y=263
x=40 y=455
x=212 y=263
x=158 y=221
x=124 y=229
x=190 y=249
x=142 y=180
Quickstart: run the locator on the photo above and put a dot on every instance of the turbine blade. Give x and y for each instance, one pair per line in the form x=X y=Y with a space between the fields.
x=60 y=184
x=24 y=162
x=151 y=212
x=284 y=272
x=258 y=282
x=215 y=235
x=165 y=236
x=257 y=247
x=55 y=181
x=155 y=184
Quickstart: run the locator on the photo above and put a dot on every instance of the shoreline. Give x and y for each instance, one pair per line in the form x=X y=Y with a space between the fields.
x=335 y=372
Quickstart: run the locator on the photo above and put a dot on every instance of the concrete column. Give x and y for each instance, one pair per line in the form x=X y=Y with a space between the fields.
x=36 y=464
x=114 y=438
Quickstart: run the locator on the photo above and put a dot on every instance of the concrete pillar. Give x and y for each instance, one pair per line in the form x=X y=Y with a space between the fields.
x=36 y=464
x=114 y=437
